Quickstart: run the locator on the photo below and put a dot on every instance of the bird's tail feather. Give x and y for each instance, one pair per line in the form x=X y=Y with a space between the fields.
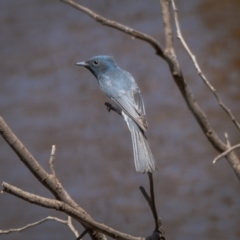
x=143 y=158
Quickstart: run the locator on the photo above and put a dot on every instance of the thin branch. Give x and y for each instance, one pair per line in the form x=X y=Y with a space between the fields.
x=130 y=31
x=31 y=163
x=146 y=196
x=182 y=83
x=227 y=139
x=51 y=160
x=224 y=154
x=70 y=225
x=199 y=71
x=82 y=234
x=66 y=222
x=33 y=225
x=47 y=180
x=154 y=210
x=158 y=232
x=63 y=207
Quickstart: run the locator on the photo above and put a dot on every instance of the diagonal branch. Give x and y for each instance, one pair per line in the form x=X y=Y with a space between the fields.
x=107 y=22
x=63 y=207
x=199 y=71
x=48 y=180
x=181 y=82
x=31 y=163
x=82 y=234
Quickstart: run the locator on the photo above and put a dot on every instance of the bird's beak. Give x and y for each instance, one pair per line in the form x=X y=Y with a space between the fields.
x=84 y=64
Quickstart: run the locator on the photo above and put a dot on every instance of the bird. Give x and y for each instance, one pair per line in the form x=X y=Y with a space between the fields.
x=122 y=89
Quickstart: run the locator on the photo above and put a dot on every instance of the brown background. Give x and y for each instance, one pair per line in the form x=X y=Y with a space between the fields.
x=47 y=100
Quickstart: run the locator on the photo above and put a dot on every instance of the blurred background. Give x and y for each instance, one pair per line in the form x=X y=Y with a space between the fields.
x=46 y=100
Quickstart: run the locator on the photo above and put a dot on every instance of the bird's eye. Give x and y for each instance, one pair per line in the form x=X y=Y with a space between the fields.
x=95 y=63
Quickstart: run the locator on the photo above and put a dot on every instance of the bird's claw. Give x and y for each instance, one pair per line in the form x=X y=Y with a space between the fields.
x=109 y=106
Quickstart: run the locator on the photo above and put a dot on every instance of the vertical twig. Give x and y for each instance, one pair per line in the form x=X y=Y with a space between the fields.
x=70 y=225
x=51 y=160
x=227 y=139
x=151 y=202
x=153 y=205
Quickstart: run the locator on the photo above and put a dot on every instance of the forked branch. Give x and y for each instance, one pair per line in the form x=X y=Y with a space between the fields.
x=64 y=202
x=70 y=211
x=199 y=71
x=187 y=94
x=47 y=180
x=151 y=202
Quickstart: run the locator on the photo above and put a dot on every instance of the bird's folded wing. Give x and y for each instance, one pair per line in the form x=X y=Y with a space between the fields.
x=132 y=105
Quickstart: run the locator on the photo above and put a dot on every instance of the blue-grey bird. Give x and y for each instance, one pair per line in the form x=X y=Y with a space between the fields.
x=122 y=89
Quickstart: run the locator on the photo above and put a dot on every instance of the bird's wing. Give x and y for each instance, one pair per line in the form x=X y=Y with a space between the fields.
x=121 y=87
x=134 y=108
x=131 y=103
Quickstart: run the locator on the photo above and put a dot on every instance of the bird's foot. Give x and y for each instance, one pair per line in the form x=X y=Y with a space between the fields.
x=110 y=108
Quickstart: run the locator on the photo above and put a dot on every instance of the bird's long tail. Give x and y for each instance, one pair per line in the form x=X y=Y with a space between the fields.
x=143 y=158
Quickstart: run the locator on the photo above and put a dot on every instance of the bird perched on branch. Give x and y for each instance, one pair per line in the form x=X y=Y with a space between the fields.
x=122 y=89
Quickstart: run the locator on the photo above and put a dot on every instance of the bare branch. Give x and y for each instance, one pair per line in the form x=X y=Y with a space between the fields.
x=33 y=225
x=70 y=225
x=67 y=205
x=82 y=234
x=151 y=202
x=51 y=160
x=130 y=31
x=199 y=71
x=227 y=139
x=31 y=163
x=169 y=47
x=154 y=210
x=181 y=82
x=48 y=180
x=146 y=196
x=63 y=207
x=224 y=154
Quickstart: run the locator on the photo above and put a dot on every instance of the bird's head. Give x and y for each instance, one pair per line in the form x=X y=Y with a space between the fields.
x=98 y=65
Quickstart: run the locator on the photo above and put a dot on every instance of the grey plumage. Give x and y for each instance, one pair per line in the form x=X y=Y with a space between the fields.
x=122 y=89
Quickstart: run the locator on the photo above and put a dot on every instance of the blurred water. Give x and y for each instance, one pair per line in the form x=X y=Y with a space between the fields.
x=46 y=100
